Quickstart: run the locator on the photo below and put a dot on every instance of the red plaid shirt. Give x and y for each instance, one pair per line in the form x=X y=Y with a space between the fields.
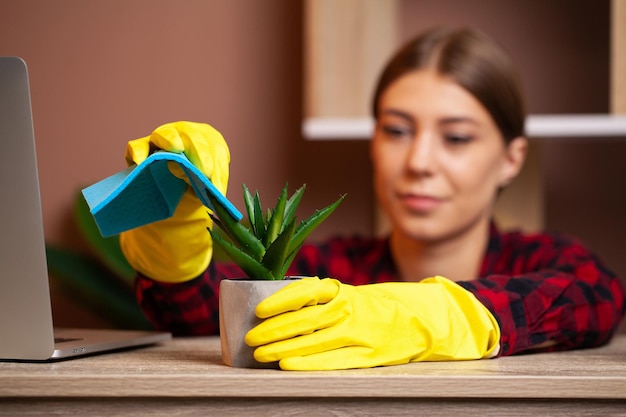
x=540 y=288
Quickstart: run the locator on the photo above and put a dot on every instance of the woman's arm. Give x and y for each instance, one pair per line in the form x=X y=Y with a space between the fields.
x=186 y=309
x=191 y=308
x=549 y=293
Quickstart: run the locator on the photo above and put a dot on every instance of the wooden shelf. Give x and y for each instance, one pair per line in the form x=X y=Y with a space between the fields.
x=539 y=126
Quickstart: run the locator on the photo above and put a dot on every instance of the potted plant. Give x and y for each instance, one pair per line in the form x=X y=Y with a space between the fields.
x=264 y=250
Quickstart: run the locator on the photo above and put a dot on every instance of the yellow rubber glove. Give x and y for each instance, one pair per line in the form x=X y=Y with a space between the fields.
x=323 y=324
x=179 y=248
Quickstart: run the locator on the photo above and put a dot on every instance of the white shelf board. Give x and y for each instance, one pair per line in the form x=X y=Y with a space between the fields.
x=540 y=126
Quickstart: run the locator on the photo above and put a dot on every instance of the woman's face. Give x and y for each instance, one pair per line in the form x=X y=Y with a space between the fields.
x=438 y=158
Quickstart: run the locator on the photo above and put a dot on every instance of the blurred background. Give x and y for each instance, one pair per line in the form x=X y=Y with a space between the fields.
x=103 y=72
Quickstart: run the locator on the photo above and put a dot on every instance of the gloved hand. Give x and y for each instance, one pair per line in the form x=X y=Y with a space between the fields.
x=323 y=324
x=179 y=248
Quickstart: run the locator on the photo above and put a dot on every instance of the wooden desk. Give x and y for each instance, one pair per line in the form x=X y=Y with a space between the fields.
x=186 y=377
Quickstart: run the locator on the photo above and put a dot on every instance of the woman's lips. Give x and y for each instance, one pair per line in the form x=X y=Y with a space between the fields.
x=420 y=203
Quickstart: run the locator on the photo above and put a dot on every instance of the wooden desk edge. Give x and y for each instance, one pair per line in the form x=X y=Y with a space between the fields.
x=241 y=386
x=192 y=368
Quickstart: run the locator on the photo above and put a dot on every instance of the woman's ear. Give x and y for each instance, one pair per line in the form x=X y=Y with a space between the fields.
x=515 y=156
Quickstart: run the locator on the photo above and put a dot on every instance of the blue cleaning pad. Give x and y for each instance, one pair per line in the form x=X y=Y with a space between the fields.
x=147 y=193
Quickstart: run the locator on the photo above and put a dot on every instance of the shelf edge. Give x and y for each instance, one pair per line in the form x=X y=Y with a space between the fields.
x=539 y=126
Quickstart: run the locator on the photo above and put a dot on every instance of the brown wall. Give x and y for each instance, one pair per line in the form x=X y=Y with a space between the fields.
x=106 y=71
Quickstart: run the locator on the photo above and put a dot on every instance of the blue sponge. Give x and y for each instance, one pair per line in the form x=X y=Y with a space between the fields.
x=147 y=193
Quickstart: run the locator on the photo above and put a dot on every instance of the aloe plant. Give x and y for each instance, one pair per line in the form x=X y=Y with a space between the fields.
x=267 y=246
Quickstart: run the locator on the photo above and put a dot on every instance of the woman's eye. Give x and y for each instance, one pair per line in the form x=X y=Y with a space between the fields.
x=458 y=139
x=395 y=131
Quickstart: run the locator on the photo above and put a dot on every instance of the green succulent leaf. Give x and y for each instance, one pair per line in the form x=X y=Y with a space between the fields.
x=237 y=232
x=258 y=226
x=275 y=219
x=292 y=205
x=249 y=265
x=266 y=248
x=307 y=226
x=249 y=202
x=288 y=260
x=276 y=254
x=255 y=213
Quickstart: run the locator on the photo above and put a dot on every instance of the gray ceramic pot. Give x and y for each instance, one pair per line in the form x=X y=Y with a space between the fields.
x=238 y=299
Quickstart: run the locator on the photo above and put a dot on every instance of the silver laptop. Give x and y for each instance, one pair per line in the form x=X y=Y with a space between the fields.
x=26 y=328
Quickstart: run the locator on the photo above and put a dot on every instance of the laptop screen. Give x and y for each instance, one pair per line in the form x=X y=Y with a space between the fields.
x=26 y=329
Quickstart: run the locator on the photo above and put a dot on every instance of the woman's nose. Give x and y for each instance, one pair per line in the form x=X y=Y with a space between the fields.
x=422 y=156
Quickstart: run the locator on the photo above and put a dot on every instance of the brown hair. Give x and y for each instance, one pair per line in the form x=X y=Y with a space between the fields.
x=473 y=61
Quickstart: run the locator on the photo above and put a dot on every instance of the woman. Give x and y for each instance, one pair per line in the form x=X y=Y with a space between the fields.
x=446 y=284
